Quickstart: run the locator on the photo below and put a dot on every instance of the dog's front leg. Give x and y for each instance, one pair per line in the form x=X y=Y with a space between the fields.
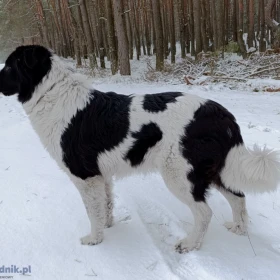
x=93 y=194
x=109 y=204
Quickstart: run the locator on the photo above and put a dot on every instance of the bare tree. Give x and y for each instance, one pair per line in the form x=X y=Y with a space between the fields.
x=272 y=23
x=40 y=14
x=97 y=28
x=262 y=26
x=113 y=53
x=197 y=26
x=88 y=34
x=240 y=30
x=159 y=35
x=251 y=34
x=172 y=30
x=123 y=48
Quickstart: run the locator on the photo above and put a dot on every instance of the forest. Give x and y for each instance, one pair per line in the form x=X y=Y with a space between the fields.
x=111 y=33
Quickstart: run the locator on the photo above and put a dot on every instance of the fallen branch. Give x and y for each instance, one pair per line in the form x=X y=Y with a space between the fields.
x=262 y=71
x=187 y=81
x=272 y=89
x=229 y=78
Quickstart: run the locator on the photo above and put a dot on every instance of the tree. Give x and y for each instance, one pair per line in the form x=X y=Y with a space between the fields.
x=93 y=29
x=88 y=34
x=172 y=31
x=158 y=35
x=123 y=48
x=40 y=14
x=183 y=27
x=113 y=53
x=251 y=33
x=262 y=25
x=273 y=24
x=197 y=26
x=240 y=30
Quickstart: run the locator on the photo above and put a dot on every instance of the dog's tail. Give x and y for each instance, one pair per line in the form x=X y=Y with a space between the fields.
x=251 y=170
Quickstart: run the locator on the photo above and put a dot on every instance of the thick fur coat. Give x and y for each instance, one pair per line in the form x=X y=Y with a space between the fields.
x=93 y=136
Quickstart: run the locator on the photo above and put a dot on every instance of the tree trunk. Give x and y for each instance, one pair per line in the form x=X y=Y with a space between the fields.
x=42 y=21
x=165 y=30
x=273 y=24
x=101 y=27
x=77 y=46
x=262 y=31
x=220 y=23
x=159 y=35
x=135 y=24
x=214 y=24
x=129 y=29
x=203 y=27
x=147 y=27
x=88 y=35
x=181 y=6
x=251 y=34
x=240 y=30
x=234 y=21
x=111 y=37
x=191 y=20
x=122 y=37
x=172 y=31
x=197 y=26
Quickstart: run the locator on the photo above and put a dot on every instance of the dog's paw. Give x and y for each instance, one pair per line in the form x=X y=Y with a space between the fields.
x=185 y=246
x=91 y=240
x=237 y=228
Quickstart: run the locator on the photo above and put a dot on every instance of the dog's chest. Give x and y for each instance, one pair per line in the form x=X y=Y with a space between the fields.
x=52 y=116
x=49 y=131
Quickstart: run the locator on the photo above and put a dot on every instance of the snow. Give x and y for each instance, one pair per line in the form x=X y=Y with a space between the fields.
x=42 y=214
x=251 y=50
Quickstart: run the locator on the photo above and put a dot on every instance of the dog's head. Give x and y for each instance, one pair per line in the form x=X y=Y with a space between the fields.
x=24 y=70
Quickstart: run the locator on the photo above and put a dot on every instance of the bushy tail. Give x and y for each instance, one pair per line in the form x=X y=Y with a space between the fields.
x=251 y=170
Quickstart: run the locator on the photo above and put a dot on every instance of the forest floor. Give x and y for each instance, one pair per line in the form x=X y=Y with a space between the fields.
x=260 y=72
x=43 y=217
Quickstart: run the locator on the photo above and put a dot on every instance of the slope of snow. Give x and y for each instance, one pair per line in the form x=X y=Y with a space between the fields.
x=42 y=215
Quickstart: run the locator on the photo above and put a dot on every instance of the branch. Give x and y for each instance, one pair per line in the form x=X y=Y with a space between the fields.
x=229 y=78
x=264 y=70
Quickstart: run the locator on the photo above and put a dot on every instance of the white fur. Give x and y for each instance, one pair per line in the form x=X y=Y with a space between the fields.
x=93 y=193
x=256 y=170
x=50 y=112
x=240 y=217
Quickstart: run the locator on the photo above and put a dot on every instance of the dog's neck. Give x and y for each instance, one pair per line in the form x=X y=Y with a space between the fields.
x=57 y=74
x=54 y=102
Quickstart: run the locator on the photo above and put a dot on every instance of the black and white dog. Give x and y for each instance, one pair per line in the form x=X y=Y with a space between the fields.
x=194 y=143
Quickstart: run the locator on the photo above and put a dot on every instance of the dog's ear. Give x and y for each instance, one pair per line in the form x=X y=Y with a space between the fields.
x=34 y=55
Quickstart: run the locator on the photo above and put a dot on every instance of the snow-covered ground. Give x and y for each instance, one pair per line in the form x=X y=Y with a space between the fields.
x=42 y=215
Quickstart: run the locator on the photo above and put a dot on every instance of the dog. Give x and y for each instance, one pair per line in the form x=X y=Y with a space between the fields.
x=94 y=136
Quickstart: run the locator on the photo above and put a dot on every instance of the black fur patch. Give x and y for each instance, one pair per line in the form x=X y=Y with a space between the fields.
x=155 y=103
x=100 y=126
x=149 y=135
x=24 y=70
x=207 y=140
x=239 y=194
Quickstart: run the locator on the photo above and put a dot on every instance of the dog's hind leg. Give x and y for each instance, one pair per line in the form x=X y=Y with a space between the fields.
x=93 y=193
x=238 y=205
x=109 y=204
x=178 y=183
